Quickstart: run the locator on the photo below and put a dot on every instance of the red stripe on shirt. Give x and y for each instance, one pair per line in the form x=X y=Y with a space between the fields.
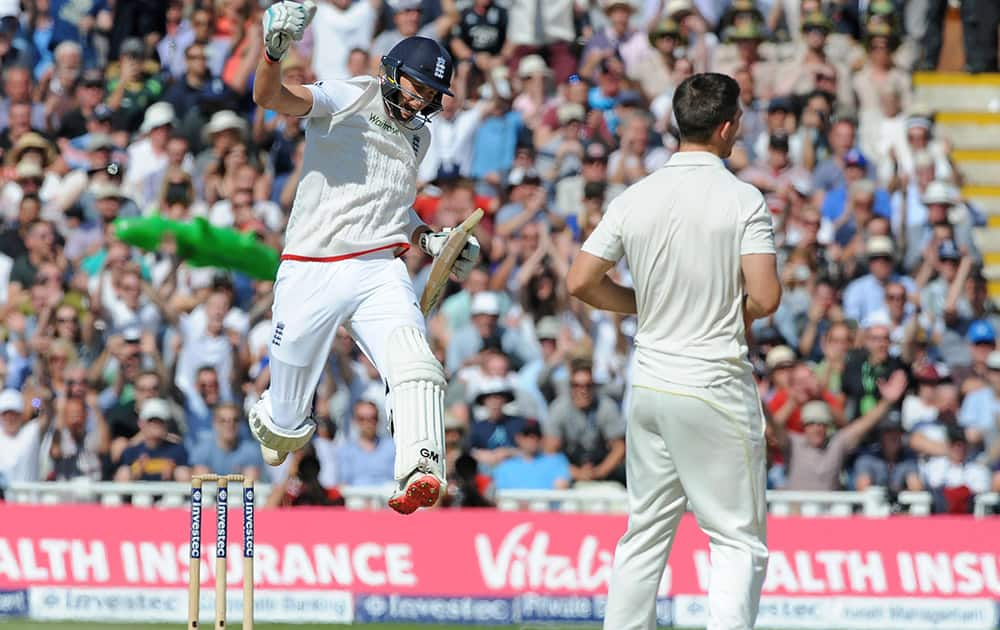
x=405 y=246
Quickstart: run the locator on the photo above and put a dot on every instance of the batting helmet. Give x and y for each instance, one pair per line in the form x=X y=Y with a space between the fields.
x=424 y=61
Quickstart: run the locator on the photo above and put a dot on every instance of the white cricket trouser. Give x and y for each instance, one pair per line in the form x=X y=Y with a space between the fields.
x=705 y=445
x=370 y=295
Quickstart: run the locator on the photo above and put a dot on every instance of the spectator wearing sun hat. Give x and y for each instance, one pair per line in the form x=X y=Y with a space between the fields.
x=653 y=70
x=611 y=39
x=20 y=438
x=816 y=456
x=484 y=331
x=981 y=408
x=935 y=206
x=866 y=295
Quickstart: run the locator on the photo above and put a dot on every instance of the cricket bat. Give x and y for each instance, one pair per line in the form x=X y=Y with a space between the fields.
x=443 y=264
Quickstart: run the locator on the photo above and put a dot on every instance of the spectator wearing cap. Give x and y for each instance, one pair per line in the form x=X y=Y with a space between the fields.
x=538 y=377
x=837 y=200
x=531 y=468
x=811 y=65
x=134 y=84
x=35 y=150
x=491 y=439
x=532 y=85
x=20 y=436
x=603 y=95
x=919 y=139
x=866 y=295
x=980 y=411
x=480 y=34
x=88 y=103
x=778 y=121
x=148 y=155
x=615 y=38
x=406 y=21
x=921 y=406
x=155 y=455
x=840 y=138
x=941 y=263
x=954 y=479
x=879 y=73
x=588 y=428
x=653 y=70
x=742 y=51
x=867 y=367
x=635 y=158
x=131 y=387
x=892 y=465
x=593 y=169
x=779 y=361
x=814 y=457
x=935 y=205
x=526 y=204
x=482 y=333
x=562 y=156
x=224 y=450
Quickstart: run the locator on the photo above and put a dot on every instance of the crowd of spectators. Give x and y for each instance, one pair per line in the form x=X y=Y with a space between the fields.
x=881 y=366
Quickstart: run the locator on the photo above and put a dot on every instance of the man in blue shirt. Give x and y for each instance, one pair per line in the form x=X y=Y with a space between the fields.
x=491 y=440
x=366 y=459
x=866 y=295
x=156 y=457
x=223 y=451
x=531 y=469
x=855 y=169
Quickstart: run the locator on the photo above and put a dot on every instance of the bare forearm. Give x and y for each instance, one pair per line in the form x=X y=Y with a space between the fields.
x=608 y=295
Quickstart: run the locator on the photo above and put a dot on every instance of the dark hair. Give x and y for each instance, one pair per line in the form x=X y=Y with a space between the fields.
x=703 y=102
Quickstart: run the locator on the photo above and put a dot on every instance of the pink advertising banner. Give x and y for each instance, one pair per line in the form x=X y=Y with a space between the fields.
x=486 y=553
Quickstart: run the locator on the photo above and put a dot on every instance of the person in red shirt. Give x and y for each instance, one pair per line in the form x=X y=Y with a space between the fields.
x=803 y=386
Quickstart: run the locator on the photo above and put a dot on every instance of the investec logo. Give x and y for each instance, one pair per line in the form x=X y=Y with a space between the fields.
x=196 y=524
x=221 y=519
x=248 y=522
x=382 y=124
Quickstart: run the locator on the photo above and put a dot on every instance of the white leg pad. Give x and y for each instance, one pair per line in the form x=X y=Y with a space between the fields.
x=275 y=437
x=417 y=384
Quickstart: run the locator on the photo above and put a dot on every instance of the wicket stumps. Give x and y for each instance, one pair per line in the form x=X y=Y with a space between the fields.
x=221 y=542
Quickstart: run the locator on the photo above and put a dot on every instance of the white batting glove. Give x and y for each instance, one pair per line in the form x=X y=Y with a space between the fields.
x=433 y=242
x=285 y=22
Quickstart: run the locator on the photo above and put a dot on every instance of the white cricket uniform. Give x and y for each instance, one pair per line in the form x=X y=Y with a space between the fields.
x=695 y=423
x=351 y=219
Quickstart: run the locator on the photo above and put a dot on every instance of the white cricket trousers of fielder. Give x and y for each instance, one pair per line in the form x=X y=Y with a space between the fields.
x=371 y=296
x=705 y=445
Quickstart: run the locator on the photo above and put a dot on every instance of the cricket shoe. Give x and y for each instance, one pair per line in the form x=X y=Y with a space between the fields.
x=421 y=490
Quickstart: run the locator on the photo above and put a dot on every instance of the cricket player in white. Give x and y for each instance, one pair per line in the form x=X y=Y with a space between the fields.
x=700 y=247
x=351 y=219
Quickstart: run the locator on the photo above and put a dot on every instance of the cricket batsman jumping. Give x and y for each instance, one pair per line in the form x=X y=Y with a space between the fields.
x=351 y=219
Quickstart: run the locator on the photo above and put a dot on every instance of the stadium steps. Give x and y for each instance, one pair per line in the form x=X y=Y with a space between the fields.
x=967 y=112
x=957 y=91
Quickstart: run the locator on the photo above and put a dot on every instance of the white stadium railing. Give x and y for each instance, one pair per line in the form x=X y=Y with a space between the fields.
x=986 y=503
x=590 y=498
